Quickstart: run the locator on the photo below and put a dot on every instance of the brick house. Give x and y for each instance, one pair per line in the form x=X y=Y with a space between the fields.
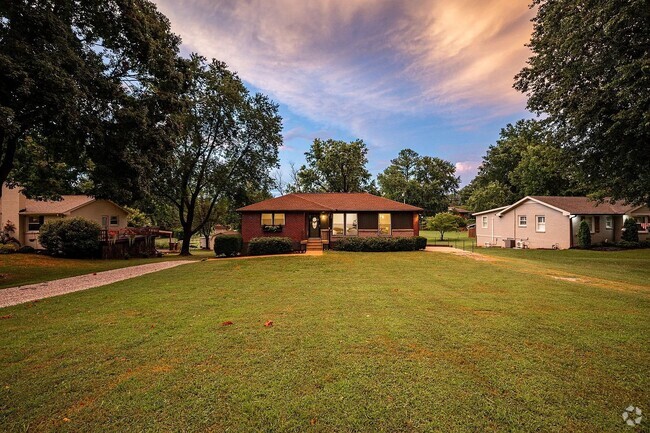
x=553 y=222
x=328 y=217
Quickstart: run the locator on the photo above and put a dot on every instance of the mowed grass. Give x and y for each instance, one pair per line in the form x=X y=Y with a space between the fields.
x=449 y=236
x=361 y=342
x=21 y=269
x=620 y=267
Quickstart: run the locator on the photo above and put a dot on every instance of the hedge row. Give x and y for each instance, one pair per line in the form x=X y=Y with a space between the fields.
x=227 y=245
x=379 y=244
x=270 y=245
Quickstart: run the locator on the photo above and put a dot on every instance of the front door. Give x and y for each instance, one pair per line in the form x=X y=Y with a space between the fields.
x=314 y=226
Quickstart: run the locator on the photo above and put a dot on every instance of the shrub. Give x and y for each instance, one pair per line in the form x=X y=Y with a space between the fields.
x=8 y=248
x=7 y=234
x=71 y=237
x=270 y=245
x=227 y=245
x=630 y=231
x=26 y=249
x=584 y=235
x=381 y=244
x=628 y=245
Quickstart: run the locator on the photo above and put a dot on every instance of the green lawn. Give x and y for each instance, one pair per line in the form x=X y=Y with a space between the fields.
x=361 y=342
x=20 y=269
x=435 y=236
x=630 y=266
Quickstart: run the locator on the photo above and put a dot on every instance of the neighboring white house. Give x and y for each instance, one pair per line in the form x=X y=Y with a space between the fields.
x=553 y=222
x=29 y=215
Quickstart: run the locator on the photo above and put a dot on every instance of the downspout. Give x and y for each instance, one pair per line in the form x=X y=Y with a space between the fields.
x=571 y=230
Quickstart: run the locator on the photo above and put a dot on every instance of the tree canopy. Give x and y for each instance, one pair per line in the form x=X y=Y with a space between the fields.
x=228 y=144
x=422 y=181
x=335 y=166
x=92 y=86
x=590 y=75
x=526 y=160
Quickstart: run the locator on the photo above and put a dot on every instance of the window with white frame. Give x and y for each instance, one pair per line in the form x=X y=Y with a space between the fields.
x=523 y=221
x=484 y=222
x=115 y=220
x=384 y=224
x=609 y=222
x=541 y=223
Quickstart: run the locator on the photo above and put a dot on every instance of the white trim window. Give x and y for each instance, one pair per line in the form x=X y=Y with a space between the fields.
x=523 y=221
x=609 y=222
x=115 y=220
x=540 y=223
x=484 y=222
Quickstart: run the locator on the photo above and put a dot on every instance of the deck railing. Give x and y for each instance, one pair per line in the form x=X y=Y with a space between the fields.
x=127 y=233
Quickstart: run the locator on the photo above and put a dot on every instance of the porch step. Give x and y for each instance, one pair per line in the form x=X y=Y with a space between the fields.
x=314 y=244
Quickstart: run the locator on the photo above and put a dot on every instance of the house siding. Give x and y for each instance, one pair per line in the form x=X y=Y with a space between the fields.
x=506 y=226
x=294 y=227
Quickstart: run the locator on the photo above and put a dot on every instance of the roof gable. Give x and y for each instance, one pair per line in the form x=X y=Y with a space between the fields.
x=67 y=204
x=572 y=205
x=329 y=202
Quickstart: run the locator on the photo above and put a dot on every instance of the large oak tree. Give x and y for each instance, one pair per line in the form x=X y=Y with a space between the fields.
x=92 y=86
x=335 y=166
x=590 y=74
x=422 y=181
x=229 y=141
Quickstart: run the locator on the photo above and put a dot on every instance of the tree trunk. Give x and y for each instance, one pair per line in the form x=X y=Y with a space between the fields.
x=187 y=237
x=207 y=241
x=442 y=236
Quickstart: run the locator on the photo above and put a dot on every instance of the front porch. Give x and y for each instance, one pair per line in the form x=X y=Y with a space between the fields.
x=330 y=227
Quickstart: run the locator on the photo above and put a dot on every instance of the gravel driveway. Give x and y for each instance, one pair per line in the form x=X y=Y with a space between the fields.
x=32 y=292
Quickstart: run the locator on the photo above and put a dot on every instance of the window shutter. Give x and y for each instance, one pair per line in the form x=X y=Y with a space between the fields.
x=597 y=224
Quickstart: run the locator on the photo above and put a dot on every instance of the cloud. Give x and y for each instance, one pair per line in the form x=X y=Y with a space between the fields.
x=363 y=64
x=466 y=166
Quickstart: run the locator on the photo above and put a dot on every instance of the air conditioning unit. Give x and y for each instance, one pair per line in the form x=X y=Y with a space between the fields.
x=520 y=244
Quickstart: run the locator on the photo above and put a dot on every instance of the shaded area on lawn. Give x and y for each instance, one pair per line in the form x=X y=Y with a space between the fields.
x=21 y=269
x=360 y=342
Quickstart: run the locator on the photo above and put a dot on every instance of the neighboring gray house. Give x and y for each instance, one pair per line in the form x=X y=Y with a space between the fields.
x=553 y=222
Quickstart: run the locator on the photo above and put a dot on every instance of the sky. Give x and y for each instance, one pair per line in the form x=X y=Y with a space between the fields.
x=434 y=76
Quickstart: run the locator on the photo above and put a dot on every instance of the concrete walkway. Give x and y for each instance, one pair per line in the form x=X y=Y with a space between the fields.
x=32 y=292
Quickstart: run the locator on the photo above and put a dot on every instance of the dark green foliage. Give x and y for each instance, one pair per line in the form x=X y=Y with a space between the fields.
x=630 y=231
x=526 y=160
x=381 y=244
x=335 y=166
x=226 y=148
x=422 y=181
x=629 y=245
x=270 y=245
x=26 y=249
x=71 y=237
x=584 y=235
x=87 y=91
x=589 y=75
x=227 y=245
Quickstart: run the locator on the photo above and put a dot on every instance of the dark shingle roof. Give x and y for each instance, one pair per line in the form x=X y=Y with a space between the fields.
x=584 y=206
x=332 y=201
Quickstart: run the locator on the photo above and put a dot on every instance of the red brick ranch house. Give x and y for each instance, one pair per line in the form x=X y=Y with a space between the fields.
x=328 y=217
